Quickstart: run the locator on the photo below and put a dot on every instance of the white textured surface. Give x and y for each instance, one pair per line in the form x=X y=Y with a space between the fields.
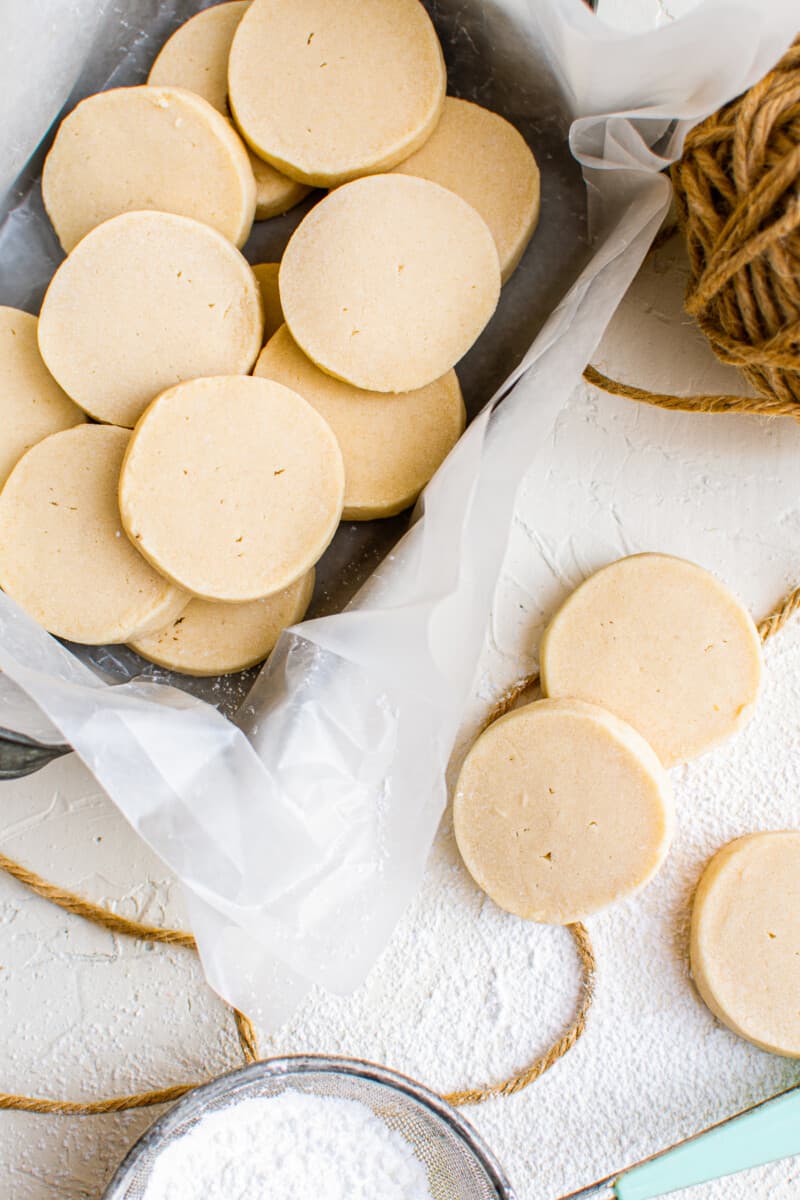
x=464 y=993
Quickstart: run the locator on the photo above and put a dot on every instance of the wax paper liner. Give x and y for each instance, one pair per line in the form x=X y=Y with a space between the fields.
x=301 y=829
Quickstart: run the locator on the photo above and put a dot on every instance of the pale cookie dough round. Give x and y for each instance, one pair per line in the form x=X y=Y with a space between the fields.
x=146 y=300
x=745 y=938
x=63 y=554
x=391 y=445
x=196 y=58
x=275 y=193
x=327 y=90
x=232 y=487
x=211 y=638
x=481 y=157
x=389 y=281
x=267 y=276
x=561 y=809
x=663 y=644
x=156 y=148
x=32 y=405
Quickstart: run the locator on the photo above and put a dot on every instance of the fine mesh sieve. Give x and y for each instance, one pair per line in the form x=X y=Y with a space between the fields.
x=458 y=1164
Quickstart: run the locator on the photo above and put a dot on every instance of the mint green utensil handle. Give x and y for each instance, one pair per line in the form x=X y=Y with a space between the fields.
x=765 y=1133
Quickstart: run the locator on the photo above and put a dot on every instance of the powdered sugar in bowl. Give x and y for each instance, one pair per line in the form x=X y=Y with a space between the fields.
x=312 y=1128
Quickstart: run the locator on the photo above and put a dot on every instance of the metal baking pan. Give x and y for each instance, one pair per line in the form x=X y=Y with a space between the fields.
x=487 y=62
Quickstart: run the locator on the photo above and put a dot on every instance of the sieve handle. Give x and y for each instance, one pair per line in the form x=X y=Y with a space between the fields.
x=765 y=1133
x=762 y=1134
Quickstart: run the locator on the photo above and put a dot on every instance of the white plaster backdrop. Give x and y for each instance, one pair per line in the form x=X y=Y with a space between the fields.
x=465 y=993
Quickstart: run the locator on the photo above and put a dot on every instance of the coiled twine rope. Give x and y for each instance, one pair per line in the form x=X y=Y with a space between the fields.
x=737 y=192
x=737 y=196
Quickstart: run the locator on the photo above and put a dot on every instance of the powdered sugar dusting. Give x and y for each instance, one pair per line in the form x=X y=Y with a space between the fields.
x=294 y=1145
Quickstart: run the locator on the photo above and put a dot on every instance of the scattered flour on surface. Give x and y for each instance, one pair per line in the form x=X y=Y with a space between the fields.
x=292 y=1145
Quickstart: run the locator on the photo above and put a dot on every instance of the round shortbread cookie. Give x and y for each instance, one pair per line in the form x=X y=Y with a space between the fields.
x=147 y=148
x=196 y=58
x=232 y=487
x=211 y=638
x=481 y=157
x=745 y=943
x=146 y=300
x=389 y=281
x=327 y=90
x=32 y=405
x=560 y=809
x=63 y=554
x=391 y=445
x=664 y=645
x=275 y=193
x=267 y=276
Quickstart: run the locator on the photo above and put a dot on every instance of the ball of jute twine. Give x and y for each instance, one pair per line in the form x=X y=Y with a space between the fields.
x=737 y=198
x=248 y=1044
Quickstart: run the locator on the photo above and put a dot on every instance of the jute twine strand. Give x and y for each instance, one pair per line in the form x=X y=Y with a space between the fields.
x=114 y=923
x=583 y=945
x=775 y=622
x=738 y=204
x=517 y=1083
x=98 y=915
